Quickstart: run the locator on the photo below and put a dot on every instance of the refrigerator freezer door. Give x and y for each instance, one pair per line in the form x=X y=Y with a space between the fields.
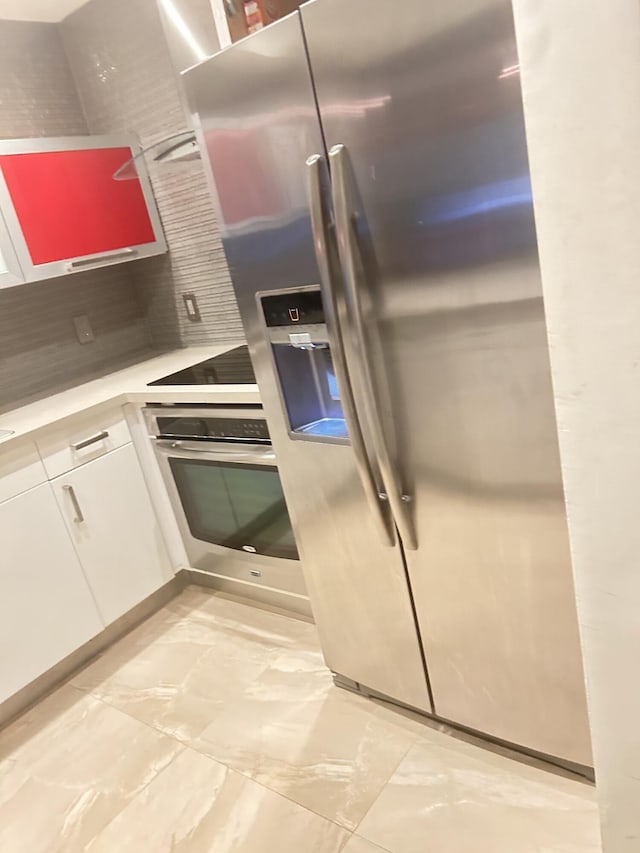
x=426 y=100
x=258 y=124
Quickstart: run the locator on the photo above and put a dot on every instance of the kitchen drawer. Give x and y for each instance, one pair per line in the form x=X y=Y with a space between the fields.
x=20 y=469
x=82 y=439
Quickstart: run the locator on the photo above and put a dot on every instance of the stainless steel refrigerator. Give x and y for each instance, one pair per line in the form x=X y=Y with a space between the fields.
x=368 y=161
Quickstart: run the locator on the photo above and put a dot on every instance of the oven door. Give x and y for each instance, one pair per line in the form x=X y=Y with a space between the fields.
x=232 y=511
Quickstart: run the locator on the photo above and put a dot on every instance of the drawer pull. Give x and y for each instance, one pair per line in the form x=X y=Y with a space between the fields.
x=99 y=436
x=76 y=504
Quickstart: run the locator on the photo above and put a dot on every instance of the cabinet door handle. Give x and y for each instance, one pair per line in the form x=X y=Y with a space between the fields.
x=99 y=436
x=76 y=505
x=101 y=260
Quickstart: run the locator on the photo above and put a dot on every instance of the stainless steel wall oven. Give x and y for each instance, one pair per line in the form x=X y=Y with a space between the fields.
x=220 y=470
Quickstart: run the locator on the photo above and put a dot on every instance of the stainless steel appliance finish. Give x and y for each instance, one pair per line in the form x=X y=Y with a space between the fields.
x=424 y=244
x=220 y=471
x=190 y=30
x=258 y=122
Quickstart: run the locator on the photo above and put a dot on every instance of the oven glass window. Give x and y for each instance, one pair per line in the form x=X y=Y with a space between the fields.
x=237 y=506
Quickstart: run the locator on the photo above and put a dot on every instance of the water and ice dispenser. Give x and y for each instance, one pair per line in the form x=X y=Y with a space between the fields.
x=297 y=333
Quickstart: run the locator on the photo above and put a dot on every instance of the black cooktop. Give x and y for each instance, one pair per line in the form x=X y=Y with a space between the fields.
x=230 y=368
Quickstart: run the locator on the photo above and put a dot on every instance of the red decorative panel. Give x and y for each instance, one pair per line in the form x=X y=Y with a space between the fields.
x=69 y=205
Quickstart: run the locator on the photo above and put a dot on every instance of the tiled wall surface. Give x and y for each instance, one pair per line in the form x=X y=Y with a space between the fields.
x=39 y=352
x=106 y=69
x=121 y=63
x=37 y=92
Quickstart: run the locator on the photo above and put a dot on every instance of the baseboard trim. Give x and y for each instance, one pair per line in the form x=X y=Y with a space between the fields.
x=286 y=603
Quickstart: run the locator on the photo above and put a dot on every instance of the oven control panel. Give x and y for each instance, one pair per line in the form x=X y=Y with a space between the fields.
x=211 y=427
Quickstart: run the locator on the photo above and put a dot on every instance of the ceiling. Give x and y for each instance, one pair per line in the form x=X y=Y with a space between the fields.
x=38 y=10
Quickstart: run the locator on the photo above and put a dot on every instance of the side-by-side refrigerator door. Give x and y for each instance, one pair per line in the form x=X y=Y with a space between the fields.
x=262 y=145
x=421 y=109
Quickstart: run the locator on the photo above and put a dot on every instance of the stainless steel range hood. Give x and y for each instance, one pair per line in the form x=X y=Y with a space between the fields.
x=177 y=148
x=194 y=30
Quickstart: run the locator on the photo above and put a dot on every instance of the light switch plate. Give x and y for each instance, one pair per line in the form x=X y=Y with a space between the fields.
x=84 y=332
x=191 y=304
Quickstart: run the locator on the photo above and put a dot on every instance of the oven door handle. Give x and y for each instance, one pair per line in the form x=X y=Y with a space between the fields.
x=253 y=454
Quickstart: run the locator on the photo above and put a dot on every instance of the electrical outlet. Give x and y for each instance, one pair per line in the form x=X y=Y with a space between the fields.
x=191 y=304
x=84 y=332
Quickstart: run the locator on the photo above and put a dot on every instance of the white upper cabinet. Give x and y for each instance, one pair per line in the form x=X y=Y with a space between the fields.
x=10 y=270
x=64 y=211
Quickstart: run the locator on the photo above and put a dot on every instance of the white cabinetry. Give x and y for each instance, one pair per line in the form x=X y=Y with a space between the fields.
x=46 y=608
x=108 y=512
x=83 y=439
x=20 y=469
x=10 y=270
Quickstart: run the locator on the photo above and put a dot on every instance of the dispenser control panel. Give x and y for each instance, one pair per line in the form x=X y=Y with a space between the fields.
x=303 y=308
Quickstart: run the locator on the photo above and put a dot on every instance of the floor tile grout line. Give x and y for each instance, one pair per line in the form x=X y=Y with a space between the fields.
x=137 y=793
x=286 y=796
x=130 y=716
x=347 y=829
x=191 y=744
x=346 y=841
x=156 y=727
x=373 y=844
x=176 y=747
x=185 y=745
x=382 y=788
x=182 y=746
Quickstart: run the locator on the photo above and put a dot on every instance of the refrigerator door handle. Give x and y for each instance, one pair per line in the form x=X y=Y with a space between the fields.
x=351 y=262
x=328 y=265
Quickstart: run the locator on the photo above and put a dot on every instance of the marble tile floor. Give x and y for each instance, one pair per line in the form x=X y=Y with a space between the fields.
x=214 y=727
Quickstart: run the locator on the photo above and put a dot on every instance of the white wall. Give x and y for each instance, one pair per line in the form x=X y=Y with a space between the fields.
x=580 y=68
x=39 y=10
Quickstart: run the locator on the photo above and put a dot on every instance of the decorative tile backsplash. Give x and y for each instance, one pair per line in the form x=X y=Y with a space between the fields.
x=106 y=69
x=126 y=82
x=39 y=351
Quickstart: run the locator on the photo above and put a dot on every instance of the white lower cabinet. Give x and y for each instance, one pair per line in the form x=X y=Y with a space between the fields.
x=46 y=608
x=108 y=512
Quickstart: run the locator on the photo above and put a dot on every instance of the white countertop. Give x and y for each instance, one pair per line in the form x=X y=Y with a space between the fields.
x=128 y=386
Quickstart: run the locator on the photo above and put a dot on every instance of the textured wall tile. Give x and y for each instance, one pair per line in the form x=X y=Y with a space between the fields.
x=121 y=63
x=37 y=92
x=39 y=352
